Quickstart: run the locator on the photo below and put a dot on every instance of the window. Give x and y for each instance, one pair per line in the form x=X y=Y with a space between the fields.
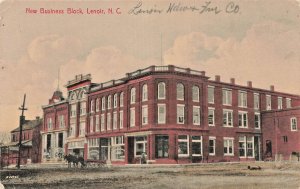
x=279 y=103
x=294 y=124
x=73 y=110
x=161 y=117
x=195 y=93
x=72 y=130
x=285 y=139
x=115 y=100
x=288 y=103
x=108 y=121
x=243 y=119
x=242 y=99
x=242 y=146
x=81 y=128
x=61 y=121
x=183 y=145
x=227 y=96
x=228 y=146
x=246 y=146
x=145 y=93
x=115 y=120
x=180 y=91
x=257 y=120
x=180 y=114
x=102 y=121
x=92 y=105
x=211 y=116
x=144 y=115
x=250 y=146
x=161 y=94
x=161 y=146
x=121 y=120
x=227 y=118
x=268 y=102
x=211 y=94
x=132 y=96
x=140 y=146
x=117 y=148
x=97 y=123
x=103 y=103
x=49 y=123
x=60 y=140
x=121 y=99
x=212 y=146
x=91 y=124
x=256 y=101
x=82 y=108
x=196 y=115
x=132 y=117
x=109 y=102
x=196 y=146
x=97 y=104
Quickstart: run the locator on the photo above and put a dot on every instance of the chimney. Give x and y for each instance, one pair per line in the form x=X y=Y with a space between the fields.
x=272 y=88
x=203 y=73
x=232 y=81
x=218 y=78
x=249 y=84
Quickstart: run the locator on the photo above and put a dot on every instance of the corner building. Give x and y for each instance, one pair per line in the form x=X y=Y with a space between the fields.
x=169 y=114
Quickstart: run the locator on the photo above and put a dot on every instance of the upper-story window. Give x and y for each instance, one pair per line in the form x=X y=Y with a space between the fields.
x=180 y=114
x=132 y=95
x=227 y=96
x=161 y=92
x=294 y=124
x=121 y=99
x=115 y=100
x=180 y=91
x=211 y=94
x=288 y=103
x=103 y=103
x=92 y=105
x=227 y=118
x=82 y=108
x=195 y=92
x=161 y=113
x=73 y=110
x=268 y=102
x=73 y=96
x=81 y=128
x=256 y=101
x=97 y=104
x=243 y=119
x=145 y=92
x=109 y=102
x=50 y=123
x=279 y=103
x=61 y=121
x=243 y=99
x=82 y=95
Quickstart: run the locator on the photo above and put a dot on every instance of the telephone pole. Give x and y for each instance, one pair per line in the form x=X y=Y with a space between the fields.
x=22 y=119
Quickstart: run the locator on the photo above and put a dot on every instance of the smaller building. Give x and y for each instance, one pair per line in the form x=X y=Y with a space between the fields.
x=30 y=150
x=281 y=135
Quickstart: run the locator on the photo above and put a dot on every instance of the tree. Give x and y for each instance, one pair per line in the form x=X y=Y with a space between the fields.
x=4 y=137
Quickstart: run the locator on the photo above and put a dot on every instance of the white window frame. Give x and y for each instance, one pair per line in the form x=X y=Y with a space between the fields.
x=91 y=124
x=82 y=128
x=115 y=100
x=108 y=121
x=179 y=93
x=73 y=110
x=212 y=138
x=243 y=120
x=279 y=103
x=242 y=99
x=250 y=140
x=213 y=113
x=144 y=142
x=243 y=140
x=178 y=115
x=163 y=96
x=268 y=102
x=145 y=92
x=195 y=93
x=121 y=99
x=132 y=117
x=132 y=95
x=72 y=129
x=115 y=120
x=92 y=106
x=196 y=120
x=50 y=124
x=103 y=103
x=188 y=145
x=293 y=122
x=97 y=105
x=256 y=101
x=121 y=123
x=102 y=122
x=145 y=115
x=201 y=145
x=227 y=97
x=228 y=139
x=62 y=122
x=228 y=111
x=161 y=119
x=288 y=102
x=97 y=123
x=212 y=100
x=109 y=102
x=82 y=108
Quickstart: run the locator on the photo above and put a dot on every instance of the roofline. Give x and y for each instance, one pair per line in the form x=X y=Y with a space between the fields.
x=54 y=104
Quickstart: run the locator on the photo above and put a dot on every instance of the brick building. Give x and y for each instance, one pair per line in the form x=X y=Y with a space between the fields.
x=168 y=114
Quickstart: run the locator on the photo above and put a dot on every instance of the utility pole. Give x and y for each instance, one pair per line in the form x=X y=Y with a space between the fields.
x=22 y=119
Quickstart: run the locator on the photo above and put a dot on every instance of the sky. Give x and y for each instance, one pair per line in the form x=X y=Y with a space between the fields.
x=253 y=40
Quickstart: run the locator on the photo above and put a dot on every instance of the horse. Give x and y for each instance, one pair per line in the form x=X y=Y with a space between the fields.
x=73 y=159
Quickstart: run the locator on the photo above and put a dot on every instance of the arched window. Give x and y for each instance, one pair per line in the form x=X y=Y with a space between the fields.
x=115 y=100
x=145 y=92
x=195 y=91
x=92 y=106
x=121 y=99
x=109 y=102
x=103 y=103
x=132 y=96
x=72 y=96
x=180 y=91
x=97 y=104
x=161 y=92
